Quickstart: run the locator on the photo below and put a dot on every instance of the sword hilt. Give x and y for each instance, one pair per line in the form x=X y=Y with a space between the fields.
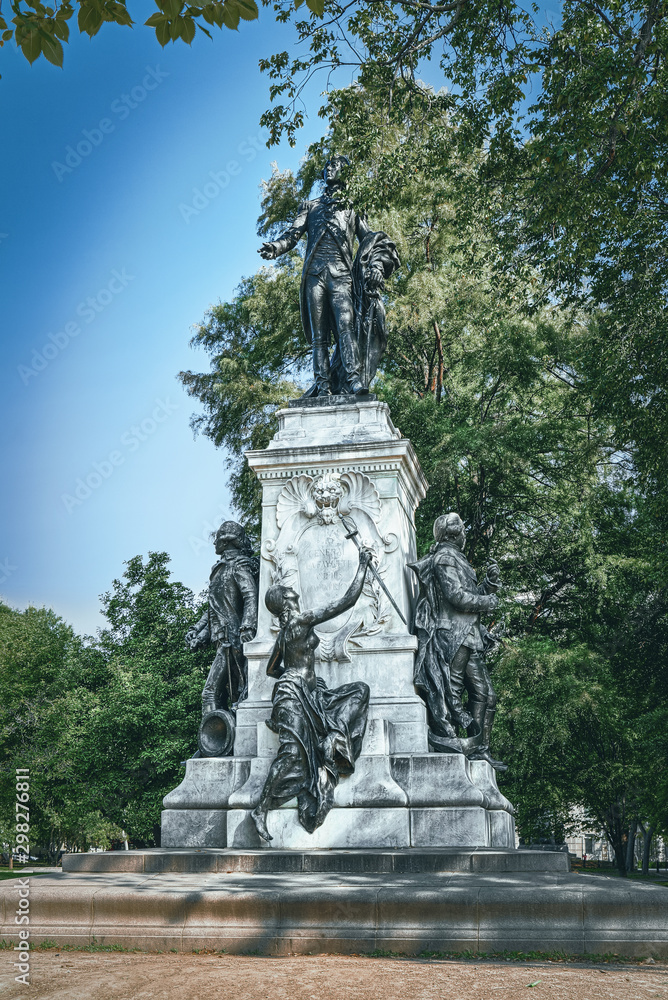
x=351 y=528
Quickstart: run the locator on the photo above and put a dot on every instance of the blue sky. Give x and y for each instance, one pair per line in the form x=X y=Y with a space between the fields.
x=130 y=191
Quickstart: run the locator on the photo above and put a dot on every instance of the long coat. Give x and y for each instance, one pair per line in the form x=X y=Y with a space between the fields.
x=447 y=614
x=315 y=218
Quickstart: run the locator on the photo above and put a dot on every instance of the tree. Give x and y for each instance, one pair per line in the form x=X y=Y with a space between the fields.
x=50 y=680
x=572 y=119
x=41 y=30
x=101 y=724
x=146 y=718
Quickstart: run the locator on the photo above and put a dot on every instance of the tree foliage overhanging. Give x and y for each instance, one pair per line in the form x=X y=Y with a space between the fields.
x=528 y=420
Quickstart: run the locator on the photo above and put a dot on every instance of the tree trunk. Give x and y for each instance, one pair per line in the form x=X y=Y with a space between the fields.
x=646 y=844
x=614 y=825
x=630 y=846
x=439 y=374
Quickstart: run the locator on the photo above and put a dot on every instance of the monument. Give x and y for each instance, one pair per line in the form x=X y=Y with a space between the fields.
x=343 y=796
x=342 y=739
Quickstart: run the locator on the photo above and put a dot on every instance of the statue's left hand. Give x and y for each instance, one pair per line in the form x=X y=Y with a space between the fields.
x=246 y=634
x=375 y=279
x=494 y=573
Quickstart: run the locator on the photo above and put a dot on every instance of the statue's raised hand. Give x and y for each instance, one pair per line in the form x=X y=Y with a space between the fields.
x=268 y=251
x=493 y=573
x=366 y=556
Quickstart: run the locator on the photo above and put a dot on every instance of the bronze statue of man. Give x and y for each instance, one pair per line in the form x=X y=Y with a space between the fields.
x=229 y=620
x=452 y=643
x=339 y=296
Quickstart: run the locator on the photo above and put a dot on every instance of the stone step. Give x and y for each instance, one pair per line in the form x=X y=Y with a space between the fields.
x=311 y=913
x=272 y=861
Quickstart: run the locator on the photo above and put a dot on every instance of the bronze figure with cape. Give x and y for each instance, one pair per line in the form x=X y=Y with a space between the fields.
x=340 y=296
x=453 y=643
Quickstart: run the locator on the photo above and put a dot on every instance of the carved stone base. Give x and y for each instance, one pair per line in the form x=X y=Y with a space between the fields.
x=414 y=801
x=401 y=795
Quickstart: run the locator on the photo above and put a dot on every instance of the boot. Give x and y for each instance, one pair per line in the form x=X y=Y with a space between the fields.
x=321 y=369
x=487 y=738
x=482 y=753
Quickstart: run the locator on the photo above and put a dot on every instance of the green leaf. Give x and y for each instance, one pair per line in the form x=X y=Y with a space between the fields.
x=172 y=8
x=156 y=19
x=188 y=29
x=162 y=32
x=6 y=35
x=89 y=19
x=316 y=6
x=175 y=29
x=247 y=9
x=52 y=49
x=61 y=30
x=230 y=14
x=31 y=46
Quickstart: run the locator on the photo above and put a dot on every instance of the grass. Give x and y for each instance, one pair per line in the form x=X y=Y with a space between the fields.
x=609 y=958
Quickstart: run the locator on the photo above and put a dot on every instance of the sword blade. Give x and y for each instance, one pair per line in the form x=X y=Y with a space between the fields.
x=376 y=575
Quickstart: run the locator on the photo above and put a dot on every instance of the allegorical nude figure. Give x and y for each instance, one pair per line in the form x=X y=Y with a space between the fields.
x=320 y=730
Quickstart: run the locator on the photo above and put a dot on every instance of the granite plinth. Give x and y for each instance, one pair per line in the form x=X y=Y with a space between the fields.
x=311 y=913
x=265 y=862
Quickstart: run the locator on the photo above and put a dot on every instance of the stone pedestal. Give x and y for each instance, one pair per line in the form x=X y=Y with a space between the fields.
x=326 y=460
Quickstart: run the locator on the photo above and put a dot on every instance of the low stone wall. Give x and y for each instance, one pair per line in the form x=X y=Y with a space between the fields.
x=299 y=914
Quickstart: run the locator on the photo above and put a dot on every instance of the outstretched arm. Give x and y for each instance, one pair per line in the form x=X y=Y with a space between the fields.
x=350 y=597
x=289 y=239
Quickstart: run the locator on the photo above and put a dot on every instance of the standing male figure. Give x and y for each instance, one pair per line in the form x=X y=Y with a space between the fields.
x=452 y=642
x=229 y=620
x=327 y=293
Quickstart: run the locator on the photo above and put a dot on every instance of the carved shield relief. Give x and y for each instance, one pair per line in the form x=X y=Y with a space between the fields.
x=313 y=554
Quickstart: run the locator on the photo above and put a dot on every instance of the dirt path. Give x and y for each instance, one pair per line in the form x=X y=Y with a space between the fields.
x=84 y=976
